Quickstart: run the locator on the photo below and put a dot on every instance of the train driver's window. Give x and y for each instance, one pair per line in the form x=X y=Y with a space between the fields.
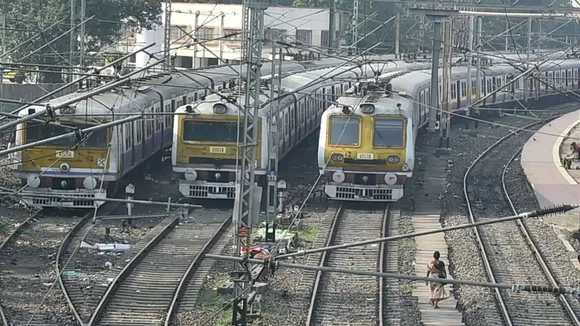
x=344 y=131
x=389 y=133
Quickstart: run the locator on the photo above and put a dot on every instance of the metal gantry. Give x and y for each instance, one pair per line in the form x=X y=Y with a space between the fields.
x=253 y=32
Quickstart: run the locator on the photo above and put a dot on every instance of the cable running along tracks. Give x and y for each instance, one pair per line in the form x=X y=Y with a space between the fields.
x=509 y=255
x=339 y=299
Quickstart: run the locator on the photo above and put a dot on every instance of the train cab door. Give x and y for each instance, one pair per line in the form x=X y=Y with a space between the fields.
x=493 y=86
x=458 y=94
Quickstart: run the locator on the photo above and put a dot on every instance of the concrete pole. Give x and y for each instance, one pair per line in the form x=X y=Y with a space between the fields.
x=222 y=34
x=446 y=86
x=195 y=28
x=82 y=33
x=478 y=68
x=539 y=36
x=72 y=35
x=331 y=28
x=434 y=101
x=397 y=36
x=507 y=27
x=470 y=60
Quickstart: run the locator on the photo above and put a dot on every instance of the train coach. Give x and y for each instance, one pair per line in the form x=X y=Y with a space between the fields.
x=93 y=168
x=367 y=139
x=205 y=144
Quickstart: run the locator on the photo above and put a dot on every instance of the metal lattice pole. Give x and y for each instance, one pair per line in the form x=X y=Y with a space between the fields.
x=253 y=31
x=167 y=35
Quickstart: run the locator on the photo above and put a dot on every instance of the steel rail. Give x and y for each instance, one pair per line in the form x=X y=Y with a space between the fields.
x=323 y=259
x=126 y=270
x=4 y=243
x=190 y=270
x=526 y=233
x=485 y=258
x=382 y=264
x=483 y=251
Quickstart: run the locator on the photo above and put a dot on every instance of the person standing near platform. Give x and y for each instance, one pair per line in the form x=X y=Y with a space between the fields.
x=575 y=155
x=436 y=269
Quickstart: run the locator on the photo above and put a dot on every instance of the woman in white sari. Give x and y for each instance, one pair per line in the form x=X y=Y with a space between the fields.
x=436 y=269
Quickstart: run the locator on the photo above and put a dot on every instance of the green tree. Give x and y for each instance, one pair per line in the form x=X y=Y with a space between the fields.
x=25 y=18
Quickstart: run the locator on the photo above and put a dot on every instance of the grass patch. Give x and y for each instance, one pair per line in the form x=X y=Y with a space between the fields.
x=3 y=228
x=406 y=288
x=225 y=318
x=309 y=233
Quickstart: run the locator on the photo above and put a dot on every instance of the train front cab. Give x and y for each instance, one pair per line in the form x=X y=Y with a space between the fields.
x=206 y=154
x=364 y=165
x=52 y=172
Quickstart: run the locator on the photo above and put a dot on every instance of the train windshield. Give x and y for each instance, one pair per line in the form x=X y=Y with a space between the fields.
x=344 y=131
x=389 y=133
x=38 y=131
x=212 y=131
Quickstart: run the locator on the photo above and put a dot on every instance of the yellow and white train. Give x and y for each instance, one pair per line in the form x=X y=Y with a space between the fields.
x=367 y=139
x=205 y=149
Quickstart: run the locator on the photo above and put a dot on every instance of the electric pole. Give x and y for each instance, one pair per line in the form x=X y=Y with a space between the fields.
x=434 y=100
x=253 y=32
x=331 y=25
x=72 y=43
x=82 y=33
x=167 y=35
x=478 y=67
x=446 y=86
x=397 y=36
x=470 y=60
x=273 y=141
x=355 y=27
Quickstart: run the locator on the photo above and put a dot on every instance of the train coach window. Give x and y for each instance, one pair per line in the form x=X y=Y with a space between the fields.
x=389 y=133
x=39 y=131
x=212 y=131
x=344 y=131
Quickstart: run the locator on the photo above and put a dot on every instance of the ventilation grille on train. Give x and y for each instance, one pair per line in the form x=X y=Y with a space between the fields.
x=52 y=201
x=375 y=194
x=203 y=191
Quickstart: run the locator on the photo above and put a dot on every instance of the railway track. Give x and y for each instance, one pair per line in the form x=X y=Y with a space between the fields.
x=149 y=288
x=508 y=255
x=27 y=255
x=339 y=299
x=569 y=303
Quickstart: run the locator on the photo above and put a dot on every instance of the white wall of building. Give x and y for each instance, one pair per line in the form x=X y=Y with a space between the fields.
x=212 y=21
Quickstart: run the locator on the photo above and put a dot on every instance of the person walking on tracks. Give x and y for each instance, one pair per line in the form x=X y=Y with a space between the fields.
x=575 y=155
x=436 y=269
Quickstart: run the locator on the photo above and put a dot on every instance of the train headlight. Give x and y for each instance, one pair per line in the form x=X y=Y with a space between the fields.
x=337 y=157
x=90 y=183
x=365 y=179
x=219 y=108
x=217 y=176
x=405 y=168
x=338 y=177
x=190 y=175
x=393 y=159
x=64 y=167
x=33 y=181
x=390 y=179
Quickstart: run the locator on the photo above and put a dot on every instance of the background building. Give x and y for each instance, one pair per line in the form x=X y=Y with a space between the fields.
x=208 y=21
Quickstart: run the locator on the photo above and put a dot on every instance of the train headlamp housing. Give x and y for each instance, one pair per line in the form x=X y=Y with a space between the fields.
x=337 y=157
x=390 y=179
x=64 y=167
x=190 y=175
x=220 y=108
x=33 y=181
x=367 y=108
x=393 y=159
x=338 y=177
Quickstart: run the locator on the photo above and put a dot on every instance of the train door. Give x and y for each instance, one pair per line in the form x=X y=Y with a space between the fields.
x=458 y=95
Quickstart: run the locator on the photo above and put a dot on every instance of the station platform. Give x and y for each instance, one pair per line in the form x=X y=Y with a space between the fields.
x=542 y=162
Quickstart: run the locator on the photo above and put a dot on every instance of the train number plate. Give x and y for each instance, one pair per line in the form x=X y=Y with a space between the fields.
x=217 y=150
x=365 y=156
x=65 y=154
